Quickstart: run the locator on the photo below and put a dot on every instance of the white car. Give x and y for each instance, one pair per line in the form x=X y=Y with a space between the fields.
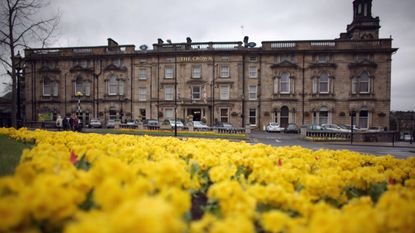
x=198 y=125
x=274 y=127
x=179 y=124
x=95 y=123
x=334 y=128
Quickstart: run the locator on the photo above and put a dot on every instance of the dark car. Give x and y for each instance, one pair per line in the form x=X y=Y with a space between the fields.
x=152 y=124
x=292 y=128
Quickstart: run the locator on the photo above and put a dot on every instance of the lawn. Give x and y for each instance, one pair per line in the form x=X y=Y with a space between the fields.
x=10 y=151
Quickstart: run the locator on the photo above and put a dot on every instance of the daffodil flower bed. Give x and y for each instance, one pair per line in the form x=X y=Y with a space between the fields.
x=71 y=182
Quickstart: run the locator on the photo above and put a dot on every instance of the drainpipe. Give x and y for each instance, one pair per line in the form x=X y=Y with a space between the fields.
x=243 y=91
x=303 y=94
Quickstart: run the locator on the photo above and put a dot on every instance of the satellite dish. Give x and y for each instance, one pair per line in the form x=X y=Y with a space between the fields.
x=143 y=47
x=251 y=44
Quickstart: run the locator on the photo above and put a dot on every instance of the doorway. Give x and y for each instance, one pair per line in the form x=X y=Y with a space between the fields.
x=196 y=113
x=284 y=117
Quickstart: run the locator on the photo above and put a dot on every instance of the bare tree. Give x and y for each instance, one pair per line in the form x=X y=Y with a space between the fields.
x=20 y=26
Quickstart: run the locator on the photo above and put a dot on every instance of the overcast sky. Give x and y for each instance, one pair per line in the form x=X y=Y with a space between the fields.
x=90 y=23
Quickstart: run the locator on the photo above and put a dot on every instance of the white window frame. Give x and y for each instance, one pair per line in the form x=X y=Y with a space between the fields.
x=168 y=92
x=197 y=72
x=224 y=92
x=142 y=75
x=194 y=93
x=253 y=71
x=285 y=81
x=225 y=116
x=112 y=86
x=253 y=90
x=142 y=93
x=168 y=72
x=320 y=82
x=224 y=71
x=361 y=81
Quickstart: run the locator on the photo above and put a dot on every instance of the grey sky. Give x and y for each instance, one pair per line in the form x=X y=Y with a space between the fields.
x=138 y=22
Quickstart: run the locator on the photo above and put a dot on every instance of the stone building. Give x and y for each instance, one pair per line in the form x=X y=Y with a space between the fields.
x=305 y=82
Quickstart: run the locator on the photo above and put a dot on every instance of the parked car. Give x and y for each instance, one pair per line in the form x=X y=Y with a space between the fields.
x=274 y=127
x=198 y=125
x=224 y=125
x=375 y=129
x=292 y=128
x=334 y=128
x=348 y=127
x=111 y=123
x=314 y=127
x=152 y=123
x=174 y=123
x=95 y=123
x=131 y=123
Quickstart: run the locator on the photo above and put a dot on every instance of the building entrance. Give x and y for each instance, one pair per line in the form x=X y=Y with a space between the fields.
x=284 y=117
x=196 y=113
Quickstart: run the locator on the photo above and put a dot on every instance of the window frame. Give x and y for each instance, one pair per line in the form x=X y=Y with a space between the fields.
x=197 y=74
x=142 y=73
x=253 y=71
x=168 y=72
x=224 y=73
x=113 y=86
x=252 y=118
x=193 y=93
x=224 y=92
x=142 y=93
x=222 y=117
x=47 y=90
x=168 y=94
x=320 y=82
x=286 y=76
x=253 y=95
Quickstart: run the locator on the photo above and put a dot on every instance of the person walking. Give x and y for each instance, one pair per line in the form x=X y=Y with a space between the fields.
x=59 y=121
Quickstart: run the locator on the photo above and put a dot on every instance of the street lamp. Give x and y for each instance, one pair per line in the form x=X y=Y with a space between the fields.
x=78 y=95
x=19 y=70
x=352 y=114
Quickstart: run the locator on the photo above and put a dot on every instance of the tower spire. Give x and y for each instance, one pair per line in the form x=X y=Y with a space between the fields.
x=364 y=26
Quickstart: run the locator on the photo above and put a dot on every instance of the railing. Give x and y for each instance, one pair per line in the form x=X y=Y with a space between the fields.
x=320 y=135
x=231 y=130
x=276 y=45
x=323 y=44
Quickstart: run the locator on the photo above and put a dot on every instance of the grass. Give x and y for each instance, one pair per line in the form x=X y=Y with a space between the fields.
x=10 y=151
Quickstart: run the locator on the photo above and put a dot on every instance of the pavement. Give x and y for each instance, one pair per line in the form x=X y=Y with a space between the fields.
x=397 y=149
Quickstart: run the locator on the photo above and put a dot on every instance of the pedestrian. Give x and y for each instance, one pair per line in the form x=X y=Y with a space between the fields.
x=59 y=122
x=65 y=122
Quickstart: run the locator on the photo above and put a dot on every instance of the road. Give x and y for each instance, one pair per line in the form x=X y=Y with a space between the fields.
x=277 y=139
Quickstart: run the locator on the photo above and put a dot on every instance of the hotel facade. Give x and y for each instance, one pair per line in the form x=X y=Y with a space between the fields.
x=243 y=83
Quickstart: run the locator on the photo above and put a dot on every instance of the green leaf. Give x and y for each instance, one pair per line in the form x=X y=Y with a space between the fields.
x=83 y=164
x=376 y=190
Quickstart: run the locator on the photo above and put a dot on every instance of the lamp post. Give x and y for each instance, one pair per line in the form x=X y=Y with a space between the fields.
x=78 y=109
x=412 y=128
x=352 y=114
x=19 y=70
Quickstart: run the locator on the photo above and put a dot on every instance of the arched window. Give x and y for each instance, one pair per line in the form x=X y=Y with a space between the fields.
x=323 y=115
x=324 y=83
x=361 y=84
x=47 y=87
x=285 y=83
